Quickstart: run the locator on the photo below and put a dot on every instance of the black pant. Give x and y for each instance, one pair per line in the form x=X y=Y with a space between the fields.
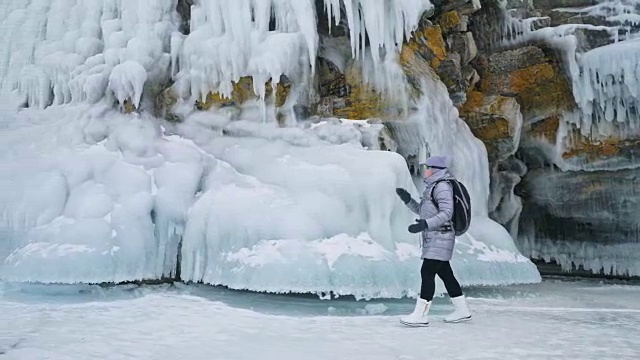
x=431 y=268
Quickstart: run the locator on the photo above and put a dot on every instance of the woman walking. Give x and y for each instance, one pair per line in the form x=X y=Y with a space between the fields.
x=435 y=210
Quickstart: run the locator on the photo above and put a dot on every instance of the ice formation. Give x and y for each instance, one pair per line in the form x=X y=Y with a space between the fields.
x=623 y=13
x=60 y=52
x=609 y=259
x=608 y=88
x=229 y=40
x=605 y=83
x=324 y=205
x=94 y=195
x=271 y=210
x=605 y=80
x=73 y=55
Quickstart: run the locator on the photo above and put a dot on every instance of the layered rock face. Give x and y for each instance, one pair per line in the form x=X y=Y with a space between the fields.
x=572 y=68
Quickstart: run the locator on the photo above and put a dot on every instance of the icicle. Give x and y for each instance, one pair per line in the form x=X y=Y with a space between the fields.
x=332 y=7
x=226 y=42
x=304 y=10
x=63 y=51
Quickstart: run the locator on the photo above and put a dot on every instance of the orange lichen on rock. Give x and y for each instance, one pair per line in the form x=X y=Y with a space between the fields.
x=243 y=91
x=541 y=90
x=428 y=42
x=547 y=128
x=450 y=20
x=493 y=120
x=521 y=79
x=362 y=101
x=596 y=149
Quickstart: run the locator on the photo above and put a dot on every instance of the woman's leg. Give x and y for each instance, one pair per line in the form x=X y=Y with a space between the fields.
x=420 y=314
x=450 y=282
x=428 y=273
x=461 y=312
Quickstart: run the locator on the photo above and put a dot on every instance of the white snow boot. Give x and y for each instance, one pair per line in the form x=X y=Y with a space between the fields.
x=461 y=312
x=419 y=316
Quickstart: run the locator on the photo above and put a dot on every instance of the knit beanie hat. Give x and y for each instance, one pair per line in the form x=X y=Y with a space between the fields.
x=438 y=162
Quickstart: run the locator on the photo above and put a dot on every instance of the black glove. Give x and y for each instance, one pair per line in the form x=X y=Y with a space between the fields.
x=419 y=226
x=404 y=195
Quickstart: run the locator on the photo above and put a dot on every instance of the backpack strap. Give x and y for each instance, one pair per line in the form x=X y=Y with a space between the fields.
x=445 y=227
x=433 y=188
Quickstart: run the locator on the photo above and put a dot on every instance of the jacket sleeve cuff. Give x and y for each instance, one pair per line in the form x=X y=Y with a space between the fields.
x=432 y=223
x=414 y=206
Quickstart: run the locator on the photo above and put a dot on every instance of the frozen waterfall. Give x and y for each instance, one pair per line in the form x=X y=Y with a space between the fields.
x=91 y=194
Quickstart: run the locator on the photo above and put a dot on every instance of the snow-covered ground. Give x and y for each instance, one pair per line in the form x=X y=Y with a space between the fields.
x=555 y=319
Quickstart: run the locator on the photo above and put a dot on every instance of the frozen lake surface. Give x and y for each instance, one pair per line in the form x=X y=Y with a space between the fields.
x=584 y=319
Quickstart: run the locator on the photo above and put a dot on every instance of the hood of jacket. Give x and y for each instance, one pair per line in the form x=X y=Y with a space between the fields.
x=442 y=174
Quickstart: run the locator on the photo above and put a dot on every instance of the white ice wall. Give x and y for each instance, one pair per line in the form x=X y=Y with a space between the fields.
x=92 y=195
x=229 y=40
x=59 y=52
